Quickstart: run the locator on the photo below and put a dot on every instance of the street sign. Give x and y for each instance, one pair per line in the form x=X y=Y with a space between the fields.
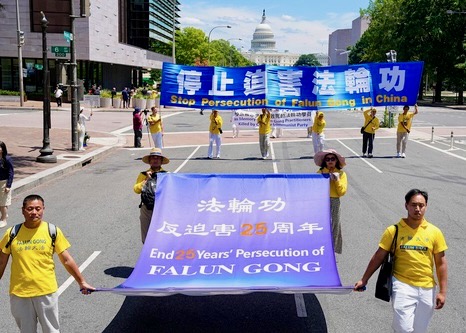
x=60 y=49
x=68 y=36
x=60 y=54
x=39 y=66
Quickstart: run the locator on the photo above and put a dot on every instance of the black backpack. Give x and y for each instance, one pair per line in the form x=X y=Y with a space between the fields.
x=15 y=229
x=148 y=191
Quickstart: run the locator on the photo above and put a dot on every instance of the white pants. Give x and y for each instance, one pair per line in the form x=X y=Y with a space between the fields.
x=81 y=135
x=157 y=137
x=318 y=142
x=413 y=307
x=27 y=310
x=264 y=144
x=401 y=141
x=235 y=130
x=218 y=142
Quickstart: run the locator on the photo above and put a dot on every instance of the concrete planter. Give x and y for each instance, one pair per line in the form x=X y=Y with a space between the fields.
x=150 y=103
x=117 y=103
x=105 y=102
x=139 y=103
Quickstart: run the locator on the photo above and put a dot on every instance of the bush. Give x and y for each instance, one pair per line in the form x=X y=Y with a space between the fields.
x=105 y=93
x=9 y=93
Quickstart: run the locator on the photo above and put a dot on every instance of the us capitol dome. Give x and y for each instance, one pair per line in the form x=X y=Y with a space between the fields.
x=263 y=38
x=263 y=47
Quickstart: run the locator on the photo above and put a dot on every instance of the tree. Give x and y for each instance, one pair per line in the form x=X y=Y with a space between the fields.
x=417 y=30
x=307 y=60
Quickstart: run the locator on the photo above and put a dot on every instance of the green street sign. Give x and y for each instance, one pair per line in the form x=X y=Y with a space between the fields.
x=39 y=66
x=60 y=49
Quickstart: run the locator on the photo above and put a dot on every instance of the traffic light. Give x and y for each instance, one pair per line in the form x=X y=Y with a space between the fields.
x=85 y=8
x=391 y=56
x=21 y=37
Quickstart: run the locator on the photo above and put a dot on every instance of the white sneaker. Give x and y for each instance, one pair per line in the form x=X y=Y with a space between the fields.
x=363 y=155
x=2 y=224
x=403 y=155
x=398 y=155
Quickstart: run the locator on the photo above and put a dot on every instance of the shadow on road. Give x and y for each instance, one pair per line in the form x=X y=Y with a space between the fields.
x=256 y=312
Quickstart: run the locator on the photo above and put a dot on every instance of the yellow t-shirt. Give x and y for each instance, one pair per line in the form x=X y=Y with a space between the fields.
x=407 y=120
x=32 y=265
x=337 y=187
x=141 y=180
x=264 y=124
x=414 y=254
x=157 y=127
x=369 y=123
x=319 y=124
x=215 y=124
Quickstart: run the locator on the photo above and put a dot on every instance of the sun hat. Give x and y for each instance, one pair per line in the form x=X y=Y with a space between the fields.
x=155 y=152
x=319 y=157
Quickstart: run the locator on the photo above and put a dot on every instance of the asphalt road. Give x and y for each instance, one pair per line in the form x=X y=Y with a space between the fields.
x=97 y=209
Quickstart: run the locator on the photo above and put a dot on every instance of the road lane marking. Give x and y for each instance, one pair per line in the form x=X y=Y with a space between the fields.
x=363 y=159
x=448 y=152
x=300 y=305
x=187 y=159
x=274 y=161
x=70 y=280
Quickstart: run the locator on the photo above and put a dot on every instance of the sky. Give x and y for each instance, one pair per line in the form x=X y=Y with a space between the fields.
x=302 y=28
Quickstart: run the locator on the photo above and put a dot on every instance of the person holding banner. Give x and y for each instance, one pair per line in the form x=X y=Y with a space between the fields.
x=371 y=124
x=234 y=126
x=331 y=163
x=264 y=132
x=419 y=246
x=156 y=129
x=215 y=131
x=33 y=283
x=405 y=120
x=318 y=136
x=155 y=159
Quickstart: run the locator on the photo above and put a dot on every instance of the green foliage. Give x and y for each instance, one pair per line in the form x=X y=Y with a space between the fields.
x=191 y=46
x=417 y=30
x=307 y=60
x=9 y=93
x=105 y=93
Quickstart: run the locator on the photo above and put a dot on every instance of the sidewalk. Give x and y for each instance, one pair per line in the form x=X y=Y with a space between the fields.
x=22 y=131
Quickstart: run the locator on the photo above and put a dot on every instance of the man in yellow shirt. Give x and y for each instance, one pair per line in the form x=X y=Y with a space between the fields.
x=264 y=132
x=215 y=134
x=419 y=246
x=371 y=124
x=155 y=127
x=405 y=120
x=33 y=285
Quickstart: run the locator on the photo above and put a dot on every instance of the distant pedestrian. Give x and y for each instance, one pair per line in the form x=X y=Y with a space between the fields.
x=82 y=128
x=125 y=97
x=332 y=163
x=419 y=246
x=263 y=120
x=318 y=136
x=405 y=121
x=234 y=126
x=371 y=124
x=58 y=95
x=156 y=127
x=215 y=134
x=145 y=179
x=33 y=284
x=7 y=174
x=137 y=127
x=113 y=94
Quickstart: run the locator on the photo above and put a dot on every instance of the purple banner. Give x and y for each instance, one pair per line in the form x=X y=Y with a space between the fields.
x=228 y=233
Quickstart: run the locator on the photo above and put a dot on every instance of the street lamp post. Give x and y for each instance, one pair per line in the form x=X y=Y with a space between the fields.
x=174 y=32
x=20 y=38
x=208 y=40
x=347 y=52
x=230 y=47
x=46 y=153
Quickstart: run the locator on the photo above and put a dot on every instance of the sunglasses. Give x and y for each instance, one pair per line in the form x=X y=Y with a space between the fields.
x=330 y=159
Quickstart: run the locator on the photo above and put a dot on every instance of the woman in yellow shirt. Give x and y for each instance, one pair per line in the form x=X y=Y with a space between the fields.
x=332 y=163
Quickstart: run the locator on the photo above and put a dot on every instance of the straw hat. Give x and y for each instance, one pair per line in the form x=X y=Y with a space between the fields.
x=155 y=152
x=319 y=157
